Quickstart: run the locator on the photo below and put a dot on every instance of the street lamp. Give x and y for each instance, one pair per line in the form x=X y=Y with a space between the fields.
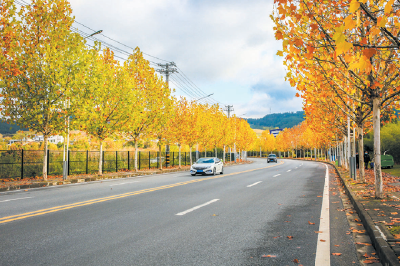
x=204 y=97
x=95 y=33
x=66 y=145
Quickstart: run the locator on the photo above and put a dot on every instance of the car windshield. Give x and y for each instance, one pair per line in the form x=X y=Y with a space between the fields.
x=205 y=160
x=272 y=155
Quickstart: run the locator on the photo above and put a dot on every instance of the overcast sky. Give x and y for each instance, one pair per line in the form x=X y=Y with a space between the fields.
x=224 y=47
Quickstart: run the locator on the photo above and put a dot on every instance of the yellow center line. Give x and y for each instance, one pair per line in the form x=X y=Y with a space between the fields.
x=128 y=194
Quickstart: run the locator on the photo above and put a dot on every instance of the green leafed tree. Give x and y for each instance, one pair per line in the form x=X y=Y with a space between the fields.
x=39 y=61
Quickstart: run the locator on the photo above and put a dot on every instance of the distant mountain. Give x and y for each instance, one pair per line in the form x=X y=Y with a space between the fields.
x=8 y=128
x=279 y=120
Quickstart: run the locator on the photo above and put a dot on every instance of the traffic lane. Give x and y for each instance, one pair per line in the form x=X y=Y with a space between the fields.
x=145 y=230
x=112 y=197
x=36 y=199
x=291 y=235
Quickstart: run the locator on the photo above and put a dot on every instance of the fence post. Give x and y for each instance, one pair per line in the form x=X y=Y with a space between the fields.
x=116 y=161
x=149 y=161
x=48 y=161
x=87 y=161
x=173 y=158
x=69 y=159
x=22 y=163
x=128 y=162
x=102 y=168
x=139 y=160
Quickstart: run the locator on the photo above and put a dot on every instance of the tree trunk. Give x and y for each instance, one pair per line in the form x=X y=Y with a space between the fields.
x=180 y=146
x=136 y=156
x=190 y=151
x=101 y=158
x=223 y=158
x=216 y=152
x=159 y=157
x=377 y=148
x=45 y=157
x=361 y=153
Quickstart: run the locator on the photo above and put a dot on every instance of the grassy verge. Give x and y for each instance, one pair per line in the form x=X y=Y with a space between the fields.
x=395 y=171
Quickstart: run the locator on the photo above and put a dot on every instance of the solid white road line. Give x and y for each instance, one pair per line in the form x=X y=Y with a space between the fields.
x=197 y=207
x=323 y=253
x=15 y=199
x=276 y=175
x=254 y=184
x=124 y=183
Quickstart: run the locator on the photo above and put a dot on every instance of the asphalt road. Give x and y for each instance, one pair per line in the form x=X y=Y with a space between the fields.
x=243 y=217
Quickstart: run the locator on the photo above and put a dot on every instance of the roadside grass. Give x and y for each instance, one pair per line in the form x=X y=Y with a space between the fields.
x=395 y=171
x=394 y=230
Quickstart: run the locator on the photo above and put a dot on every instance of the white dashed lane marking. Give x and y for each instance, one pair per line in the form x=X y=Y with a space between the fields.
x=254 y=184
x=16 y=199
x=197 y=207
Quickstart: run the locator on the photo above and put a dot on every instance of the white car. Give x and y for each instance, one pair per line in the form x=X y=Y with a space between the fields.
x=206 y=166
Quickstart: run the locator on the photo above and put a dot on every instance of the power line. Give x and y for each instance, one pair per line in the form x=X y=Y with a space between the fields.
x=190 y=85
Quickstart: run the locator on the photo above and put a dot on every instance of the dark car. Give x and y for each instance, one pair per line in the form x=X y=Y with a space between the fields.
x=272 y=158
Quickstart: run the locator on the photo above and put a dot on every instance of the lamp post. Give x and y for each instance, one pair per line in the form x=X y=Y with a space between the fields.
x=66 y=145
x=197 y=145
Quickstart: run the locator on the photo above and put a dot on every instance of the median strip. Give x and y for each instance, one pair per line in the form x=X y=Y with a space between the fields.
x=119 y=196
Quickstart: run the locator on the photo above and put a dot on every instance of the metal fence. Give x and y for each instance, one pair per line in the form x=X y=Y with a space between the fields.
x=25 y=163
x=265 y=154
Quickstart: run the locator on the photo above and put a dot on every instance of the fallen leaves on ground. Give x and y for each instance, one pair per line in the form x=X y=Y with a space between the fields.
x=370 y=261
x=296 y=261
x=336 y=254
x=310 y=223
x=268 y=256
x=365 y=244
x=290 y=237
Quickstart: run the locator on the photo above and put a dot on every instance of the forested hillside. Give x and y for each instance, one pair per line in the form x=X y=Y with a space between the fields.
x=279 y=120
x=8 y=128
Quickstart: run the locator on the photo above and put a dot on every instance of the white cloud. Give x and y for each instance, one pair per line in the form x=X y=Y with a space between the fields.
x=261 y=104
x=225 y=47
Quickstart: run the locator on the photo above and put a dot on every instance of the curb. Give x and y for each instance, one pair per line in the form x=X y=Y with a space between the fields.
x=384 y=251
x=97 y=178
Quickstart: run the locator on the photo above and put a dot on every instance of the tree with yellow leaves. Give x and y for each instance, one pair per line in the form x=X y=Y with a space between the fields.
x=40 y=61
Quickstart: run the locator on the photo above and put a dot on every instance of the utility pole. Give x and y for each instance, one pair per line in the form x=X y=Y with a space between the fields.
x=167 y=69
x=229 y=109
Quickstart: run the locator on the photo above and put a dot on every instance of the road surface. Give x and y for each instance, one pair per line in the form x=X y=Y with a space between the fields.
x=254 y=214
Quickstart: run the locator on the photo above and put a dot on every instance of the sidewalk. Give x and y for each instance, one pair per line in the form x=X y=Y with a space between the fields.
x=380 y=217
x=36 y=182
